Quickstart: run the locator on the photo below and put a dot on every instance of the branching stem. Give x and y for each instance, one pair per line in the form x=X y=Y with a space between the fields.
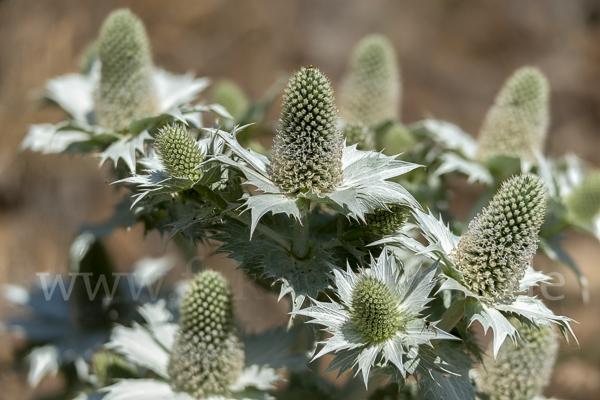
x=301 y=243
x=453 y=314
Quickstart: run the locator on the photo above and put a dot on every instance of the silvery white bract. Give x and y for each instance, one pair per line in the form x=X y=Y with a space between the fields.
x=363 y=189
x=490 y=313
x=408 y=350
x=75 y=94
x=150 y=347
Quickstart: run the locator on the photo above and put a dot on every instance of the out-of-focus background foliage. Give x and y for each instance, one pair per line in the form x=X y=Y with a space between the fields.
x=454 y=55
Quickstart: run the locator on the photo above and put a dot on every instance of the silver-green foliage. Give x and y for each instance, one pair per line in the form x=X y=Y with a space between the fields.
x=307 y=154
x=207 y=356
x=501 y=241
x=584 y=201
x=126 y=89
x=179 y=152
x=517 y=123
x=521 y=371
x=371 y=89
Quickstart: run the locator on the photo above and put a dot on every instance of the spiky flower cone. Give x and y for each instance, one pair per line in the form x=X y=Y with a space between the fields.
x=518 y=121
x=501 y=241
x=520 y=372
x=358 y=133
x=207 y=355
x=179 y=152
x=230 y=96
x=126 y=90
x=584 y=201
x=395 y=140
x=386 y=222
x=109 y=367
x=308 y=147
x=371 y=89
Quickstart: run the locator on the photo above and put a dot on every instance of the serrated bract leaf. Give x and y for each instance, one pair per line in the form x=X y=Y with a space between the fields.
x=475 y=172
x=449 y=135
x=125 y=149
x=73 y=93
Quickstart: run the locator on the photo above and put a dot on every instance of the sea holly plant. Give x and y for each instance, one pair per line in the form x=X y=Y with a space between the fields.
x=331 y=215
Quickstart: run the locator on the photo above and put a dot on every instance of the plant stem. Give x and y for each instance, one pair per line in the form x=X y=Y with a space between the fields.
x=276 y=237
x=453 y=314
x=301 y=240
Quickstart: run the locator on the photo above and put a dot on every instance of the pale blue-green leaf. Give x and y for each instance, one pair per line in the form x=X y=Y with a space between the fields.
x=42 y=361
x=139 y=346
x=449 y=386
x=143 y=389
x=489 y=317
x=149 y=270
x=174 y=90
x=254 y=376
x=545 y=172
x=45 y=138
x=532 y=278
x=125 y=149
x=366 y=359
x=275 y=203
x=218 y=109
x=74 y=93
x=452 y=162
x=158 y=323
x=449 y=135
x=273 y=348
x=257 y=161
x=435 y=231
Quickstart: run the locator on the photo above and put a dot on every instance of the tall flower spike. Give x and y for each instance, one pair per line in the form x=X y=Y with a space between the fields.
x=386 y=222
x=207 y=355
x=371 y=89
x=501 y=241
x=518 y=121
x=179 y=152
x=520 y=372
x=230 y=96
x=307 y=154
x=584 y=201
x=126 y=90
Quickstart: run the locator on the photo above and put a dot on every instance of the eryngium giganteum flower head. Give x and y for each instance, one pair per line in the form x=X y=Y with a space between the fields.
x=584 y=201
x=207 y=355
x=518 y=121
x=371 y=89
x=501 y=241
x=230 y=96
x=308 y=147
x=386 y=222
x=126 y=90
x=179 y=152
x=358 y=133
x=521 y=371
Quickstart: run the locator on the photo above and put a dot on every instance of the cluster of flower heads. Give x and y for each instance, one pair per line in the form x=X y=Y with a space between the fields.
x=126 y=89
x=517 y=123
x=521 y=371
x=208 y=355
x=179 y=152
x=307 y=154
x=501 y=241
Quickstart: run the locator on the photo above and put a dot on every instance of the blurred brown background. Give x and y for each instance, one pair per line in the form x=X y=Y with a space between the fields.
x=454 y=55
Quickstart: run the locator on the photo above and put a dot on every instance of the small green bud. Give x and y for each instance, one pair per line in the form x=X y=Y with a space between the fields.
x=308 y=147
x=384 y=222
x=517 y=123
x=207 y=356
x=375 y=310
x=109 y=367
x=501 y=241
x=358 y=133
x=395 y=140
x=584 y=201
x=521 y=371
x=230 y=96
x=179 y=152
x=126 y=90
x=371 y=88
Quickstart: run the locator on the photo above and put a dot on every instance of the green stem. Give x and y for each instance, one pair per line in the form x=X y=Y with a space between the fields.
x=301 y=239
x=276 y=237
x=453 y=314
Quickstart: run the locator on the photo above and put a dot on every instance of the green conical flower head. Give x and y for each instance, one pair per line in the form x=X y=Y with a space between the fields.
x=584 y=201
x=230 y=96
x=517 y=123
x=386 y=222
x=358 y=133
x=179 y=152
x=375 y=310
x=207 y=355
x=395 y=140
x=501 y=241
x=308 y=147
x=371 y=89
x=110 y=367
x=520 y=372
x=126 y=90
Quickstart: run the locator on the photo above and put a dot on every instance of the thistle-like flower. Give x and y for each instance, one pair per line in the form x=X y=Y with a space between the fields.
x=371 y=90
x=518 y=121
x=126 y=90
x=378 y=320
x=501 y=241
x=208 y=355
x=521 y=371
x=307 y=154
x=110 y=367
x=386 y=222
x=396 y=139
x=230 y=96
x=584 y=201
x=358 y=133
x=179 y=152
